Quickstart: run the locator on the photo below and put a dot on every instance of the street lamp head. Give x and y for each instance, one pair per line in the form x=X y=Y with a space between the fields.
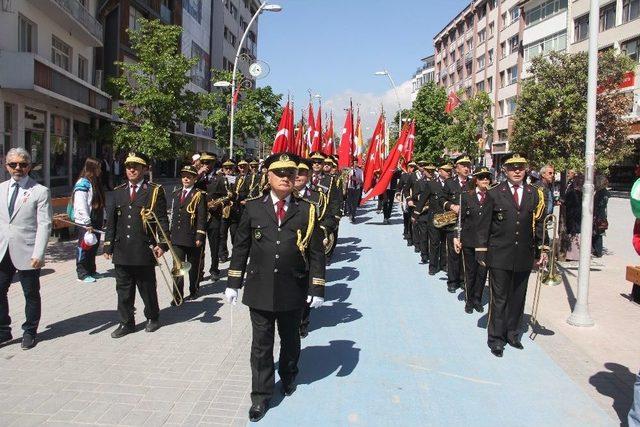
x=381 y=73
x=272 y=8
x=222 y=83
x=318 y=96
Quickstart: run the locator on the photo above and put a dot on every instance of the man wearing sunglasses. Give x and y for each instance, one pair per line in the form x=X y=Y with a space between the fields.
x=279 y=236
x=25 y=225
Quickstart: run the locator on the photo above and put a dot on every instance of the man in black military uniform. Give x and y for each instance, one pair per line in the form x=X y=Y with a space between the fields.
x=231 y=215
x=188 y=234
x=420 y=215
x=404 y=186
x=317 y=162
x=508 y=240
x=433 y=196
x=207 y=171
x=131 y=244
x=279 y=234
x=389 y=196
x=473 y=211
x=453 y=188
x=218 y=196
x=332 y=187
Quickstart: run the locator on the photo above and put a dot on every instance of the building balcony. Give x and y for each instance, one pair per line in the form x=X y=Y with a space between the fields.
x=468 y=57
x=24 y=71
x=459 y=64
x=72 y=15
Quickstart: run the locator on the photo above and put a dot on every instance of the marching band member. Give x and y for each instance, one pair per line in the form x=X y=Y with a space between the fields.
x=131 y=246
x=507 y=243
x=230 y=217
x=453 y=188
x=188 y=223
x=217 y=199
x=279 y=234
x=420 y=214
x=472 y=211
x=206 y=171
x=406 y=202
x=317 y=173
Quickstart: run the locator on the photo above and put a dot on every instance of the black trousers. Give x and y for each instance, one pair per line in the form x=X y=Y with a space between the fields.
x=508 y=294
x=213 y=236
x=475 y=276
x=86 y=259
x=190 y=254
x=228 y=227
x=30 y=281
x=437 y=240
x=406 y=225
x=306 y=315
x=387 y=203
x=128 y=277
x=454 y=262
x=262 y=364
x=380 y=202
x=353 y=198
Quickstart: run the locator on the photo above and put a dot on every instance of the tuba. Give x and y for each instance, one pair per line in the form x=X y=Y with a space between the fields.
x=180 y=268
x=548 y=275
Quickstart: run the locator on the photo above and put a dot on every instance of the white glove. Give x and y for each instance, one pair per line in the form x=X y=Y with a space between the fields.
x=231 y=295
x=316 y=302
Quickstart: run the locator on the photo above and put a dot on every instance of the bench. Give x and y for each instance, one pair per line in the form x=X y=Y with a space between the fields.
x=59 y=207
x=633 y=276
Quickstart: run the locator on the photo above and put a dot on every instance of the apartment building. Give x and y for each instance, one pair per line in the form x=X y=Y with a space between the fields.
x=51 y=97
x=479 y=51
x=424 y=74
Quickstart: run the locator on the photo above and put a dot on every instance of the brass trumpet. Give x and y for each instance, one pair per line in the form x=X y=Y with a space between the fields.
x=547 y=275
x=180 y=268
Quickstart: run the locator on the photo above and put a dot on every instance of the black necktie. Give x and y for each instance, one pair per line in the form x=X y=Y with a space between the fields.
x=14 y=196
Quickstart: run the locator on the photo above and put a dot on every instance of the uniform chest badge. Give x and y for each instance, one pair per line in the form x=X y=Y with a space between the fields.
x=257 y=234
x=118 y=211
x=500 y=216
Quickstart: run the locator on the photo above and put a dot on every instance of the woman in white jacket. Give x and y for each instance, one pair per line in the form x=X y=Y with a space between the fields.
x=88 y=209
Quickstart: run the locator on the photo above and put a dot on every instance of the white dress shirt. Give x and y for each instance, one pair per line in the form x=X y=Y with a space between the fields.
x=275 y=200
x=21 y=190
x=520 y=190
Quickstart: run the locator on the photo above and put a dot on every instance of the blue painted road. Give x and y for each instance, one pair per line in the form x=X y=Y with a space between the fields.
x=393 y=347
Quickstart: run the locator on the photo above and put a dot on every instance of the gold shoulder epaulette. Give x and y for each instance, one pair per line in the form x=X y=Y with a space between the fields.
x=250 y=199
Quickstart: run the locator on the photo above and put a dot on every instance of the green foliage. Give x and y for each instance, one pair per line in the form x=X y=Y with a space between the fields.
x=550 y=118
x=470 y=119
x=153 y=101
x=393 y=126
x=256 y=113
x=431 y=122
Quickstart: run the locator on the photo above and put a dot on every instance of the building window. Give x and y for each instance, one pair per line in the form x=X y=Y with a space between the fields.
x=134 y=18
x=512 y=75
x=514 y=14
x=27 y=35
x=229 y=36
x=199 y=72
x=480 y=87
x=490 y=57
x=608 y=16
x=503 y=50
x=482 y=11
x=510 y=105
x=60 y=53
x=581 y=28
x=503 y=134
x=194 y=8
x=491 y=27
x=481 y=36
x=59 y=155
x=632 y=48
x=480 y=63
x=503 y=20
x=555 y=42
x=502 y=79
x=630 y=10
x=490 y=84
x=233 y=10
x=514 y=43
x=83 y=68
x=492 y=4
x=544 y=11
x=5 y=142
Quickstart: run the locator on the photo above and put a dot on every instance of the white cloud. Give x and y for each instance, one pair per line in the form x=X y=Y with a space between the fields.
x=368 y=102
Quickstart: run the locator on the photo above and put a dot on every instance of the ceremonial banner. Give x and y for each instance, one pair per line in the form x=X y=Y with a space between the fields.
x=282 y=142
x=316 y=141
x=452 y=102
x=327 y=145
x=345 y=152
x=373 y=159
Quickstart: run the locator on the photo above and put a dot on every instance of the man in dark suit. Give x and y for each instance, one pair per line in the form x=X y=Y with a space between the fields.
x=453 y=188
x=404 y=187
x=131 y=243
x=508 y=240
x=218 y=196
x=279 y=234
x=188 y=223
x=231 y=215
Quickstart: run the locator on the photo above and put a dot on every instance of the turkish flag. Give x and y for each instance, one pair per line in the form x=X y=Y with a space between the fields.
x=345 y=152
x=311 y=127
x=327 y=146
x=373 y=158
x=282 y=143
x=316 y=140
x=390 y=165
x=299 y=140
x=452 y=102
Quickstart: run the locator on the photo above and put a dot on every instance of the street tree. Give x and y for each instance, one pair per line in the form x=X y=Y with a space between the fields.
x=431 y=121
x=550 y=117
x=470 y=120
x=153 y=101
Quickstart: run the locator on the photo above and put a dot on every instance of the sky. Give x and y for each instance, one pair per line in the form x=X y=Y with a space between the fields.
x=333 y=47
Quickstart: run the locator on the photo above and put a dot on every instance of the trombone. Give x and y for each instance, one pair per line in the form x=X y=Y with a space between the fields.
x=548 y=275
x=180 y=268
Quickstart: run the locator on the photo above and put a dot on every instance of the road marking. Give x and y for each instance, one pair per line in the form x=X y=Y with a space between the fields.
x=447 y=374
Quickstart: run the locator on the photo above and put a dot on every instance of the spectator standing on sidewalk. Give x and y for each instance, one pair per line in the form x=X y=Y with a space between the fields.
x=25 y=225
x=600 y=222
x=573 y=205
x=88 y=209
x=634 y=413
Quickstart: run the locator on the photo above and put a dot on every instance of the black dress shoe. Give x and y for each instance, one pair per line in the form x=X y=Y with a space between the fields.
x=224 y=259
x=5 y=337
x=215 y=275
x=289 y=389
x=497 y=352
x=151 y=326
x=478 y=307
x=423 y=261
x=516 y=344
x=432 y=272
x=304 y=331
x=257 y=411
x=28 y=341
x=122 y=330
x=468 y=309
x=409 y=243
x=416 y=250
x=452 y=288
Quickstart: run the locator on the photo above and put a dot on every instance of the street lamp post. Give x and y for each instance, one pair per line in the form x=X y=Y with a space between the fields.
x=395 y=90
x=580 y=315
x=269 y=8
